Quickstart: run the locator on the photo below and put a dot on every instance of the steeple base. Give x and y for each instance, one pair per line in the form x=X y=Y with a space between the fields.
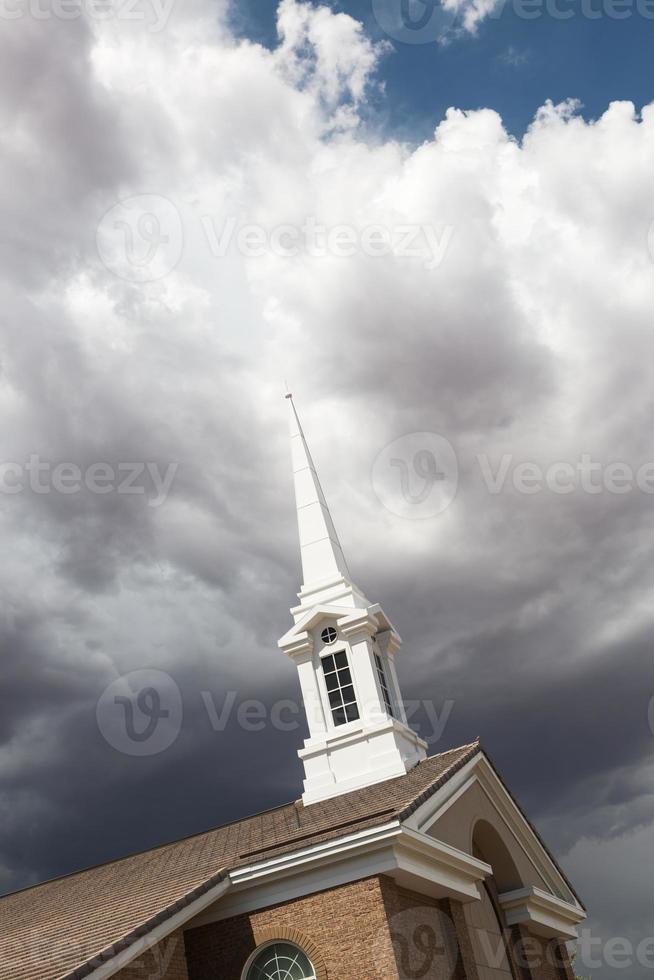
x=347 y=760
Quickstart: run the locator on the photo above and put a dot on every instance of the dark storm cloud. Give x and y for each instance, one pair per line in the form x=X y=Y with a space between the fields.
x=530 y=613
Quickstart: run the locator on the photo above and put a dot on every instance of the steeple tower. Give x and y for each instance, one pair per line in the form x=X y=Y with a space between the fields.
x=344 y=648
x=324 y=568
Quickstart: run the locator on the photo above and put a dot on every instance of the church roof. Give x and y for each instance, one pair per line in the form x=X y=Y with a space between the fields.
x=67 y=927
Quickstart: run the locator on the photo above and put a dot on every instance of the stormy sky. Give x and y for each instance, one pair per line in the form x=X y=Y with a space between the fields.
x=192 y=219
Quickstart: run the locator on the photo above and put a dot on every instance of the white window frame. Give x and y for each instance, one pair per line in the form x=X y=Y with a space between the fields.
x=332 y=651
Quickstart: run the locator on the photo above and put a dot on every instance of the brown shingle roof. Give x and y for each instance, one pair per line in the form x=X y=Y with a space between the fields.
x=65 y=927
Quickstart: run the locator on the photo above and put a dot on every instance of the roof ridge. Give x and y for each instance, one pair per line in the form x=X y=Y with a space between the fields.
x=145 y=850
x=469 y=751
x=400 y=791
x=202 y=833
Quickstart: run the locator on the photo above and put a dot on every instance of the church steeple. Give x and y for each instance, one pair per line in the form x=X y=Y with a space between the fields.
x=344 y=648
x=323 y=561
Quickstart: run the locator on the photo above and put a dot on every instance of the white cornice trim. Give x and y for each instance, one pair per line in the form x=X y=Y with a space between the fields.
x=543 y=913
x=320 y=611
x=371 y=618
x=400 y=849
x=413 y=859
x=355 y=732
x=438 y=851
x=432 y=809
x=317 y=853
x=479 y=770
x=447 y=856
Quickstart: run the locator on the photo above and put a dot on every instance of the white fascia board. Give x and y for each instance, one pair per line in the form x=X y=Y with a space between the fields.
x=316 y=854
x=541 y=912
x=449 y=871
x=440 y=801
x=523 y=832
x=427 y=865
x=446 y=854
x=144 y=943
x=479 y=770
x=277 y=889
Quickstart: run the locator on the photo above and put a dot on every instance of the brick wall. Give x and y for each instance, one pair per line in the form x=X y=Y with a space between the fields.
x=343 y=930
x=165 y=961
x=366 y=930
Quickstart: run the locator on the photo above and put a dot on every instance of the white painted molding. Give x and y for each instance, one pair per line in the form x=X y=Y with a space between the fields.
x=309 y=619
x=447 y=871
x=415 y=860
x=440 y=801
x=542 y=913
x=315 y=854
x=479 y=770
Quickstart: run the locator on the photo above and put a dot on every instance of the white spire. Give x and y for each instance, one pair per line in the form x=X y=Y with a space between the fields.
x=323 y=561
x=344 y=648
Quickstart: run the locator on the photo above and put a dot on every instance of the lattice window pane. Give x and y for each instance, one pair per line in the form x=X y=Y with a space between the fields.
x=383 y=685
x=281 y=961
x=340 y=690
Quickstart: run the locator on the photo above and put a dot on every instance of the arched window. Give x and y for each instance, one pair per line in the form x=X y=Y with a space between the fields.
x=279 y=961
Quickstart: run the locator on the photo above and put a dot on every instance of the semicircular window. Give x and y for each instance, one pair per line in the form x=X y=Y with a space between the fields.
x=281 y=961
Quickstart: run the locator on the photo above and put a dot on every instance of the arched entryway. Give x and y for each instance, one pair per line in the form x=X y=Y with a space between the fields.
x=490 y=938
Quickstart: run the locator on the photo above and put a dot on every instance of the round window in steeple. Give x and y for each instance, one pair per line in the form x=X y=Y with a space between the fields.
x=280 y=961
x=329 y=635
